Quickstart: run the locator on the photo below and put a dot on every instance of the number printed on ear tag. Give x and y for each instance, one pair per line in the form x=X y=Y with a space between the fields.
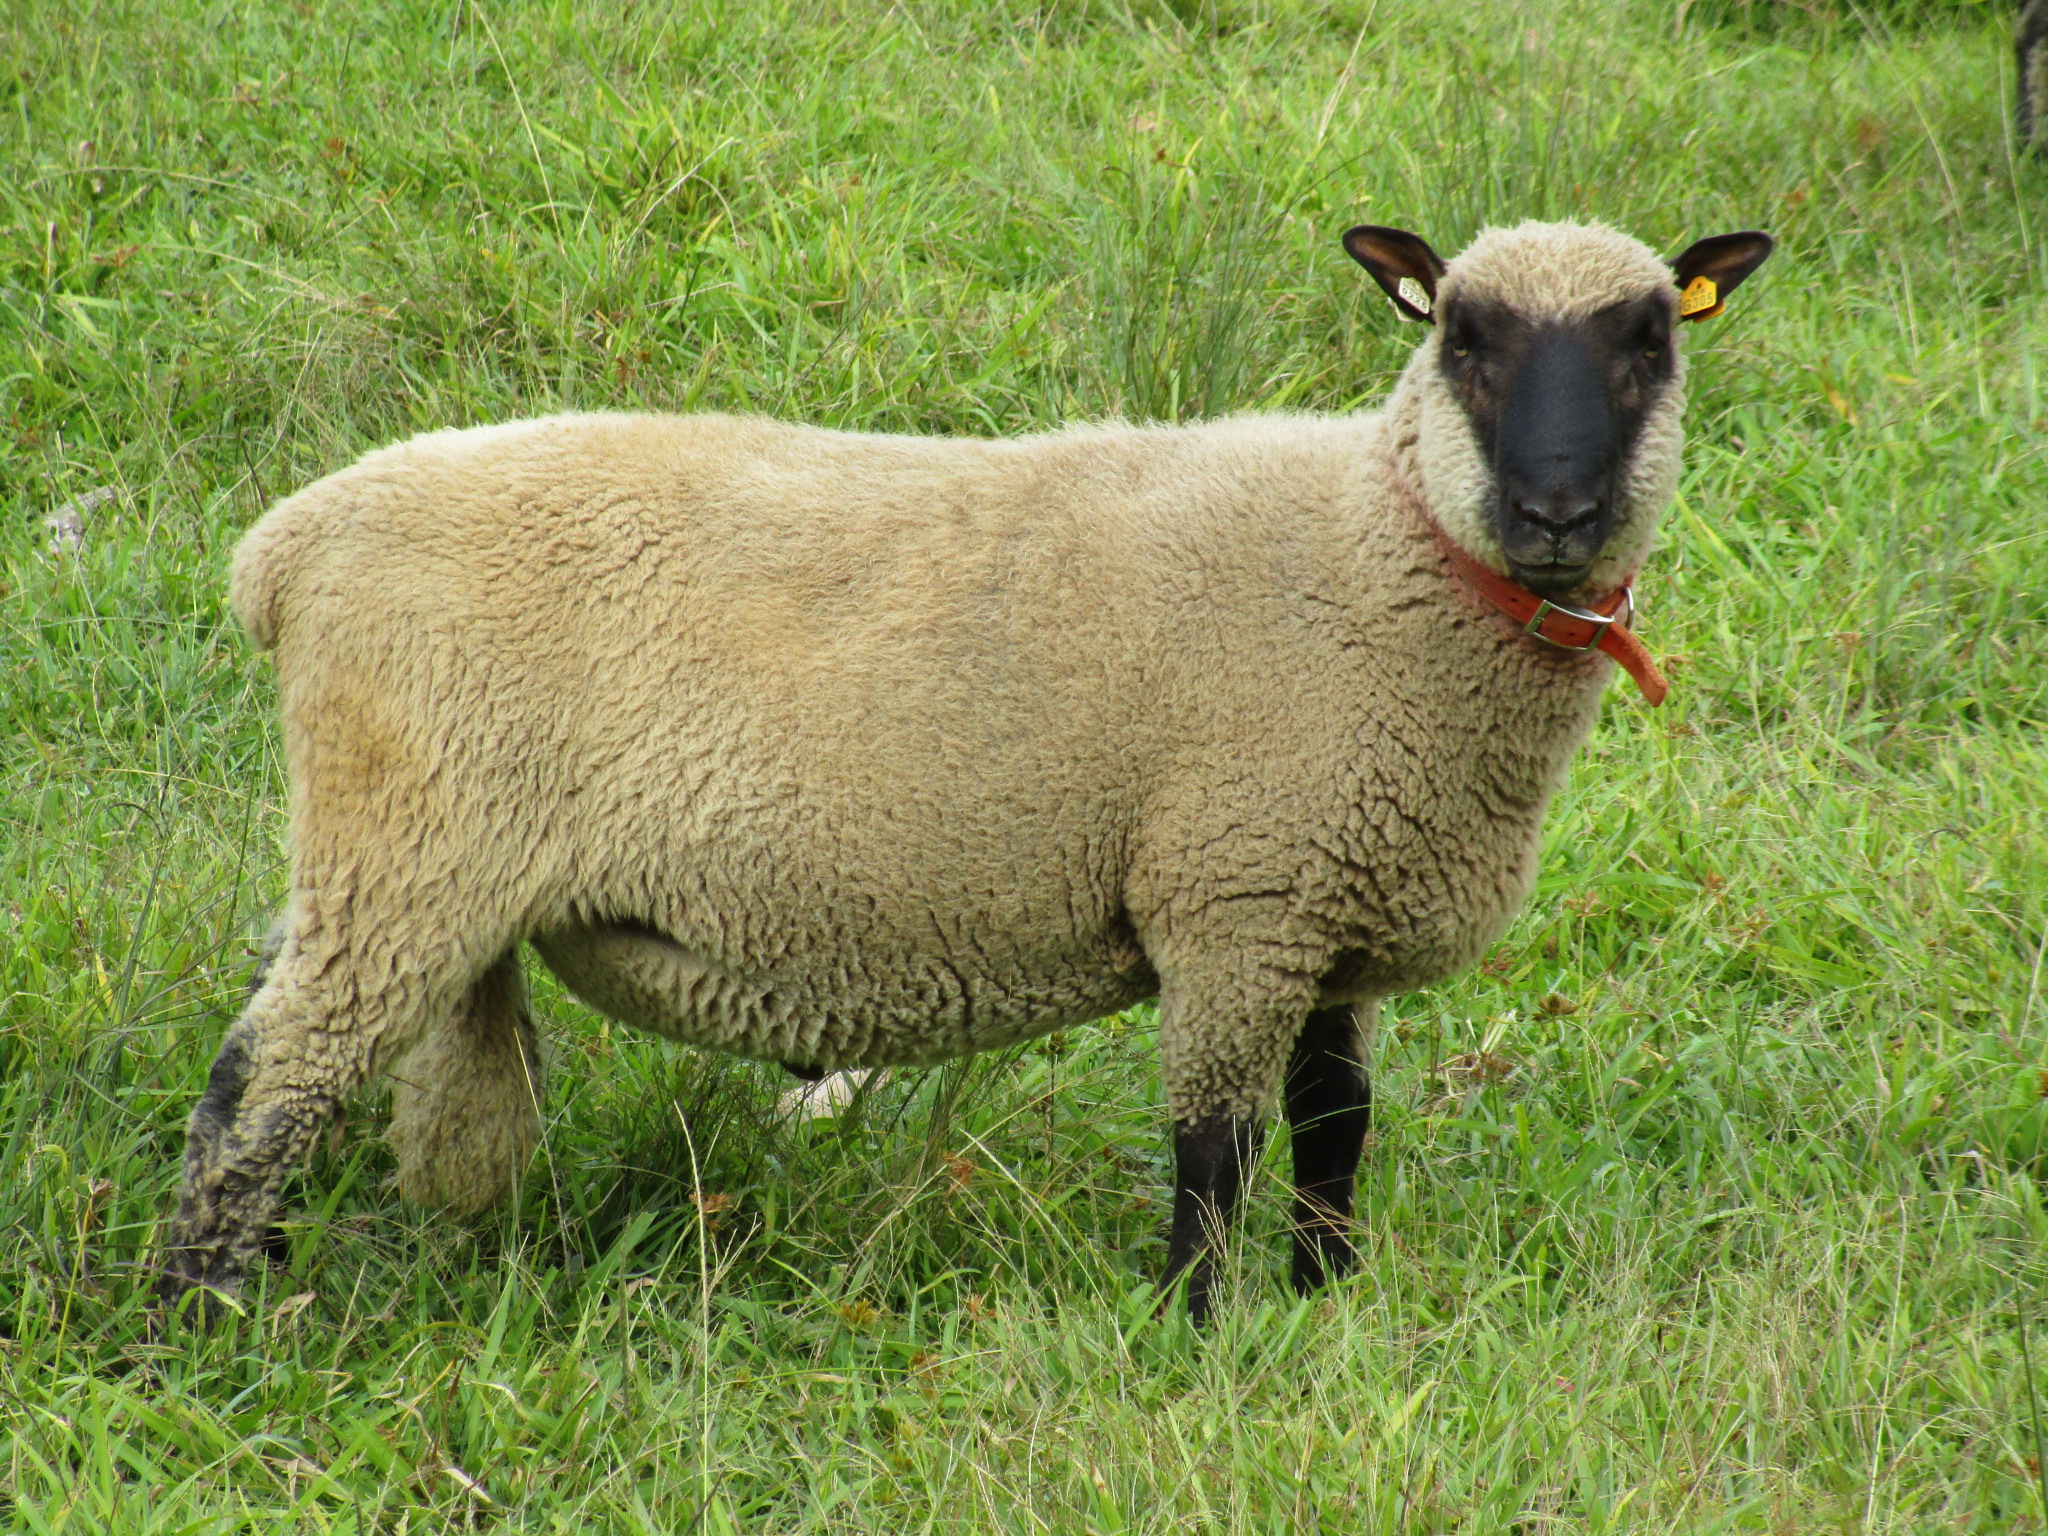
x=1702 y=297
x=1414 y=295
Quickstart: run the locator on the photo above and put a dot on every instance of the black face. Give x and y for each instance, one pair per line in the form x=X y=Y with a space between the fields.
x=1557 y=409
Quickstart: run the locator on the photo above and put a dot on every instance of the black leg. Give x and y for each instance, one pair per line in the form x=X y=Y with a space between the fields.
x=1329 y=1108
x=1209 y=1158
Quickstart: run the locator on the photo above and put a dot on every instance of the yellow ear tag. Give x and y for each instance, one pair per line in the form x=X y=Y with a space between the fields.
x=1414 y=294
x=1701 y=299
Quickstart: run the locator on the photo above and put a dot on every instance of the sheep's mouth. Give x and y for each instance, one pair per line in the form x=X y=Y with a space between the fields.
x=1553 y=579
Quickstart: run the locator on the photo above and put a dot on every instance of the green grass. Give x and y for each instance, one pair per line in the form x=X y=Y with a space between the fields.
x=1712 y=1203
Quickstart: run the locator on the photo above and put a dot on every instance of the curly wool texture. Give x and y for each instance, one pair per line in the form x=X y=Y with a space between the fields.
x=848 y=750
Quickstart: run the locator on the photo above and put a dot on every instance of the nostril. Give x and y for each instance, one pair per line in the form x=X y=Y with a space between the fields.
x=1560 y=516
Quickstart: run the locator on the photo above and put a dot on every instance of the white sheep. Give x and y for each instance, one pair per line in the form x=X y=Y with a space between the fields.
x=845 y=751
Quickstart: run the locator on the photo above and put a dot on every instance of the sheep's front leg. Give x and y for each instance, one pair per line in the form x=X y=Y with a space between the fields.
x=1329 y=1110
x=1209 y=1161
x=1224 y=1038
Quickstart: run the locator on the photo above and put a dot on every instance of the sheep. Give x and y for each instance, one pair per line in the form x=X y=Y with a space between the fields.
x=2030 y=48
x=845 y=751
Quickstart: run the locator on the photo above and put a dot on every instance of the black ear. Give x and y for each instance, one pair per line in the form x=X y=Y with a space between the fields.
x=1402 y=264
x=1712 y=268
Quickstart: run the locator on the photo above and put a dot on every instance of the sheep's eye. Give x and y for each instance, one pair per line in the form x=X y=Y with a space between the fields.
x=1651 y=349
x=1461 y=343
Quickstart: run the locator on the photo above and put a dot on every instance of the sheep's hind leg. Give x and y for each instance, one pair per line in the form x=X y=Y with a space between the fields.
x=250 y=1129
x=324 y=1019
x=1329 y=1110
x=465 y=1106
x=207 y=1134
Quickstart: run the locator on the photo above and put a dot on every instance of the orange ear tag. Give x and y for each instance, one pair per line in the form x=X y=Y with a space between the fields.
x=1701 y=299
x=1414 y=294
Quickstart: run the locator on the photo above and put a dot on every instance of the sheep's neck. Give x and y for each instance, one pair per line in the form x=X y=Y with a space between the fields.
x=1563 y=626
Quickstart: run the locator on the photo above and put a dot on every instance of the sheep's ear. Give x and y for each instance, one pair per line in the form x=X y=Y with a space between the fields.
x=1711 y=268
x=1402 y=264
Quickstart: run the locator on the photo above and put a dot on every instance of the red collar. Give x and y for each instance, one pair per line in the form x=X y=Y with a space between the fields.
x=1602 y=627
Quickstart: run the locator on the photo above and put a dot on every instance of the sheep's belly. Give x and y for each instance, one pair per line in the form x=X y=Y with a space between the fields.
x=913 y=1014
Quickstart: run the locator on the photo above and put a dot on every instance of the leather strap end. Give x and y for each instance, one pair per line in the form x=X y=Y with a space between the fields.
x=1635 y=660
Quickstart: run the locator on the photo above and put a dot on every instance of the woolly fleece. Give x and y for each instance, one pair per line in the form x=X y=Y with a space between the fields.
x=849 y=750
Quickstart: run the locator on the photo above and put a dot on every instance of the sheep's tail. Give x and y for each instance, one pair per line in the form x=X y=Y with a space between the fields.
x=260 y=579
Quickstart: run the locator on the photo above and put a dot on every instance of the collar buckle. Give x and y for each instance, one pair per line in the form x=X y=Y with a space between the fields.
x=1624 y=614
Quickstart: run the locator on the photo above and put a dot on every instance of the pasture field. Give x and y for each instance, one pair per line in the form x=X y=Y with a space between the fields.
x=1712 y=1202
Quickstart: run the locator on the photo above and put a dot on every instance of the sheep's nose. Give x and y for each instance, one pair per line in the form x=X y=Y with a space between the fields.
x=1559 y=514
